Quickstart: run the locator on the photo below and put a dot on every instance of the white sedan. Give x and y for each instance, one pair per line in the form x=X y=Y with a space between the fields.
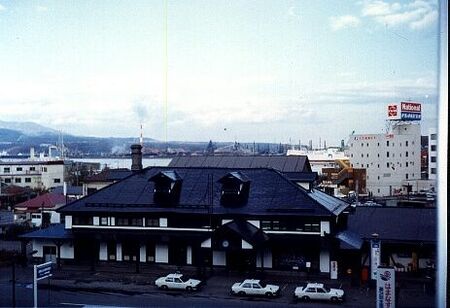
x=177 y=282
x=317 y=291
x=255 y=287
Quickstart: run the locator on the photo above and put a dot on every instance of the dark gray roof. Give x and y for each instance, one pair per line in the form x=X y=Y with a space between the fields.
x=302 y=176
x=280 y=163
x=394 y=224
x=271 y=193
x=56 y=231
x=247 y=232
x=6 y=217
x=333 y=204
x=110 y=175
x=71 y=190
x=349 y=240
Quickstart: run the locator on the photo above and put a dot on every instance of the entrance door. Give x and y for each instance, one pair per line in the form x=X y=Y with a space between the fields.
x=49 y=253
x=240 y=260
x=177 y=254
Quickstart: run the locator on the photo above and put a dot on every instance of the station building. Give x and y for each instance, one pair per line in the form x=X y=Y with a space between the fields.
x=234 y=218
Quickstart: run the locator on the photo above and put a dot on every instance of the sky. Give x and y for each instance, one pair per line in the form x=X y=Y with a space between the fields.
x=265 y=71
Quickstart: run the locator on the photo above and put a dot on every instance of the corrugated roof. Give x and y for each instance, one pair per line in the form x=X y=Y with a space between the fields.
x=48 y=200
x=56 y=231
x=333 y=204
x=280 y=163
x=271 y=193
x=394 y=224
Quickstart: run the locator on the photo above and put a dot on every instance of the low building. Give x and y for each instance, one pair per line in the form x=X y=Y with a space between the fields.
x=33 y=173
x=103 y=179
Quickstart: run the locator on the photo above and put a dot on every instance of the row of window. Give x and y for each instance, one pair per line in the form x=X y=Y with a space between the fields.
x=387 y=175
x=388 y=165
x=387 y=154
x=26 y=180
x=8 y=169
x=388 y=143
x=277 y=225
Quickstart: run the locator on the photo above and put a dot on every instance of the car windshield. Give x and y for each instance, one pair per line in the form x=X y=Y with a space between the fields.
x=327 y=289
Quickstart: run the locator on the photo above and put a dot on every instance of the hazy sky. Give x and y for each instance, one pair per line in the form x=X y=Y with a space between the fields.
x=264 y=70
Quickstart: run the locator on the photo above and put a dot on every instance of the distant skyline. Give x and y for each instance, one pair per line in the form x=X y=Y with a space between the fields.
x=264 y=71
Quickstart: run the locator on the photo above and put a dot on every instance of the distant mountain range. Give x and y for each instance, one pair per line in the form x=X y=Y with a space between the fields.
x=28 y=128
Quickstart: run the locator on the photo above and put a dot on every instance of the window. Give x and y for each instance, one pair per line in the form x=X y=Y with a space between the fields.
x=367 y=144
x=44 y=169
x=387 y=154
x=378 y=144
x=276 y=225
x=27 y=180
x=256 y=286
x=152 y=222
x=407 y=176
x=17 y=180
x=103 y=221
x=433 y=148
x=367 y=165
x=433 y=159
x=433 y=170
x=362 y=144
x=367 y=155
x=406 y=143
x=433 y=136
x=378 y=177
x=120 y=221
x=266 y=224
x=362 y=155
x=19 y=169
x=82 y=220
x=56 y=180
x=32 y=168
x=387 y=165
x=351 y=155
x=406 y=164
x=378 y=155
x=387 y=143
x=136 y=222
x=247 y=285
x=406 y=154
x=313 y=227
x=378 y=166
x=7 y=180
x=6 y=170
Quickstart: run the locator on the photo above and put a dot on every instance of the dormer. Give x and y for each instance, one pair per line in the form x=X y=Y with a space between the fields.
x=167 y=187
x=235 y=189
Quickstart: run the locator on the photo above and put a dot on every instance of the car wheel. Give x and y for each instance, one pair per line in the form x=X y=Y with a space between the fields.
x=189 y=288
x=164 y=287
x=269 y=294
x=241 y=293
x=306 y=298
x=334 y=299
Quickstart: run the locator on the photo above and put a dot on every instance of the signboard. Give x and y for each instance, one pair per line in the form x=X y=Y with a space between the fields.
x=407 y=111
x=386 y=287
x=43 y=270
x=375 y=254
x=334 y=270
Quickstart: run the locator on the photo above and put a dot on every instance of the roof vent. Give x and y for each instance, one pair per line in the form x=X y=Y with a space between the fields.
x=167 y=187
x=235 y=189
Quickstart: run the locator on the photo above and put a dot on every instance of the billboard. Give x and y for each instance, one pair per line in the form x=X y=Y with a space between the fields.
x=406 y=111
x=386 y=287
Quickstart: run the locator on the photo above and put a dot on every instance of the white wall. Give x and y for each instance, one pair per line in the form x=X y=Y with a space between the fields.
x=161 y=253
x=119 y=251
x=256 y=223
x=189 y=255
x=143 y=253
x=324 y=228
x=67 y=251
x=103 y=252
x=324 y=262
x=68 y=221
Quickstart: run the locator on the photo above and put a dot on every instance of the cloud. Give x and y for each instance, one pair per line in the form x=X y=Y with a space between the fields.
x=416 y=15
x=2 y=8
x=41 y=8
x=342 y=22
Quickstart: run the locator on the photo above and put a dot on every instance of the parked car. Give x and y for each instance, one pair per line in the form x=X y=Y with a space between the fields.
x=318 y=291
x=255 y=287
x=177 y=282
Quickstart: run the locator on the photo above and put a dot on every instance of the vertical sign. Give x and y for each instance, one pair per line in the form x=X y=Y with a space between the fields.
x=386 y=287
x=334 y=270
x=374 y=257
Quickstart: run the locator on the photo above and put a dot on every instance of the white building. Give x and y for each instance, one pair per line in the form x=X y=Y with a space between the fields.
x=432 y=154
x=324 y=158
x=34 y=174
x=392 y=160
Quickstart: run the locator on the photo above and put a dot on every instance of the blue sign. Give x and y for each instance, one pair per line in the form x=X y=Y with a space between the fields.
x=410 y=116
x=43 y=270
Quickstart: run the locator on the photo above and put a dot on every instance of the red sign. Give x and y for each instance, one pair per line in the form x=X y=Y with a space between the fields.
x=411 y=107
x=392 y=110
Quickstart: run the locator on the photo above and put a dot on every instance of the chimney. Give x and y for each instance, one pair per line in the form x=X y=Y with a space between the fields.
x=136 y=157
x=32 y=153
